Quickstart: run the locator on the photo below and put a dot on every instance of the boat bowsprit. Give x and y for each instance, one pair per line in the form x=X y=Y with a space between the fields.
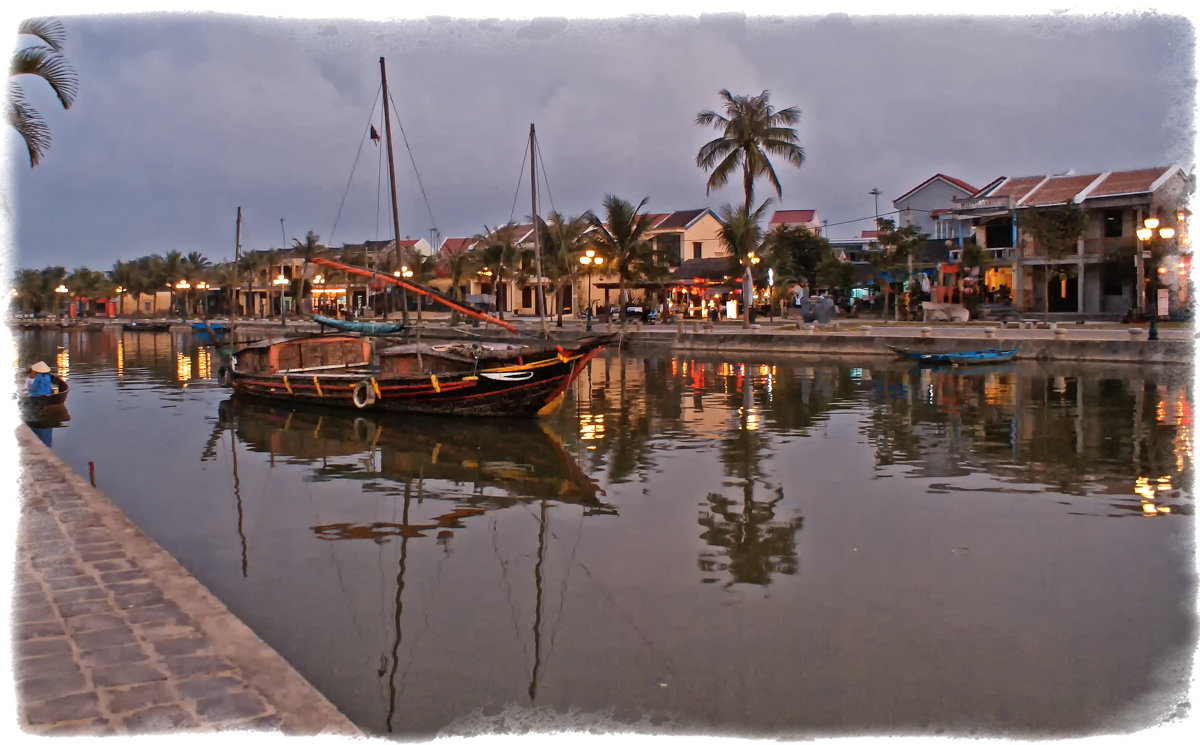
x=969 y=357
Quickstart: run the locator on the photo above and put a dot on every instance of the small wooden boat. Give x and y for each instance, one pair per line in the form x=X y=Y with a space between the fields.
x=366 y=328
x=217 y=328
x=42 y=408
x=972 y=357
x=152 y=326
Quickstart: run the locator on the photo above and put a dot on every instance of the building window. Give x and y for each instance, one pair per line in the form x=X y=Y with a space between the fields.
x=697 y=250
x=669 y=249
x=945 y=230
x=1113 y=223
x=526 y=297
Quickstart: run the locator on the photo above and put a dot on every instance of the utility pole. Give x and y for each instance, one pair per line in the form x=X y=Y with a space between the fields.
x=283 y=245
x=875 y=193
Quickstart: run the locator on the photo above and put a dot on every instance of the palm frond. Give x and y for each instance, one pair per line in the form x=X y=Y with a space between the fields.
x=48 y=64
x=29 y=124
x=49 y=30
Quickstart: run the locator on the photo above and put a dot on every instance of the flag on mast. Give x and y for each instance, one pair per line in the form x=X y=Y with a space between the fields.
x=374 y=135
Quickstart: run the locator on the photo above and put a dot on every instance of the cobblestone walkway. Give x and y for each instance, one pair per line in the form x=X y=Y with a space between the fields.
x=112 y=636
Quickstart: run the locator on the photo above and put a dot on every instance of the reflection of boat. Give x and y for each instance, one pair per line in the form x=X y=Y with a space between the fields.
x=51 y=407
x=522 y=459
x=480 y=379
x=366 y=328
x=973 y=357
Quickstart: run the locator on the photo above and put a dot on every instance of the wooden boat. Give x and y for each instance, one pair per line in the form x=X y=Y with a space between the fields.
x=42 y=408
x=972 y=357
x=454 y=378
x=152 y=326
x=366 y=328
x=202 y=328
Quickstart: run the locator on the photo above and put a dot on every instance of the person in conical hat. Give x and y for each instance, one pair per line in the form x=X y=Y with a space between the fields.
x=38 y=383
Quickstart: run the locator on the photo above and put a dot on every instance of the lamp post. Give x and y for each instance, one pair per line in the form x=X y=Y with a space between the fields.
x=120 y=300
x=61 y=290
x=1150 y=226
x=590 y=259
x=318 y=292
x=183 y=284
x=279 y=282
x=748 y=286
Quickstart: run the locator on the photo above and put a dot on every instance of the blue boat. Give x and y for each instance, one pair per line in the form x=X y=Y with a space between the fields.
x=366 y=328
x=217 y=328
x=974 y=357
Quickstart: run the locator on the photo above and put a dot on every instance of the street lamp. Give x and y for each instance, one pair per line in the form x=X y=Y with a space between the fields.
x=1150 y=226
x=590 y=259
x=120 y=300
x=280 y=281
x=318 y=292
x=748 y=286
x=61 y=290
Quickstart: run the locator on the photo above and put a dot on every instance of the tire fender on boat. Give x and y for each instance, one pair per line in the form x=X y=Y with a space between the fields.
x=224 y=376
x=363 y=395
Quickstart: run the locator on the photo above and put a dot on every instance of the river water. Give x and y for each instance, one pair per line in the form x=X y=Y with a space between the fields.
x=691 y=544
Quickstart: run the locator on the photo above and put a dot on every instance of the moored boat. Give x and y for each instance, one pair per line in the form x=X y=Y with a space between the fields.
x=366 y=328
x=452 y=378
x=970 y=357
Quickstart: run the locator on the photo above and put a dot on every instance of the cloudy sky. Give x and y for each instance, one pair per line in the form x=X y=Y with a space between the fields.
x=181 y=119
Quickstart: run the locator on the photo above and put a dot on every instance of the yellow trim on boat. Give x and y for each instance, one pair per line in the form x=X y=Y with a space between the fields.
x=552 y=404
x=534 y=365
x=433 y=380
x=376 y=387
x=317 y=383
x=287 y=385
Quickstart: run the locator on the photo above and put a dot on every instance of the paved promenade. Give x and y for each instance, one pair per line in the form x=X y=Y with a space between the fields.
x=112 y=636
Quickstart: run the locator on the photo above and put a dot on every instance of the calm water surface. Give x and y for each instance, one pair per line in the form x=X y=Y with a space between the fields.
x=691 y=544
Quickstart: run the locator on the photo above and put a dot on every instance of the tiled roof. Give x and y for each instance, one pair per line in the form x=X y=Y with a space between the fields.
x=1058 y=190
x=1018 y=187
x=783 y=217
x=948 y=179
x=710 y=269
x=1127 y=182
x=453 y=245
x=680 y=219
x=655 y=218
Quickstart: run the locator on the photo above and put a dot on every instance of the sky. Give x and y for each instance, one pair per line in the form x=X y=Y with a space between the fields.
x=183 y=118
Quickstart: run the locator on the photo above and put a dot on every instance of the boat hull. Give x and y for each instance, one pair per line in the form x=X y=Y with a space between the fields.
x=975 y=357
x=52 y=407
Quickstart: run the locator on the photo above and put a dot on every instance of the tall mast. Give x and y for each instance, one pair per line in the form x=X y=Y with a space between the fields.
x=537 y=248
x=387 y=128
x=237 y=258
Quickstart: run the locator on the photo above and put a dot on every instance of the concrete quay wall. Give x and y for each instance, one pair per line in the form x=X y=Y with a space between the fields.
x=112 y=636
x=872 y=342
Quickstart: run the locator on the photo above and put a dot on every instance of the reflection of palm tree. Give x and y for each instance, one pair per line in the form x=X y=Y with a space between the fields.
x=755 y=543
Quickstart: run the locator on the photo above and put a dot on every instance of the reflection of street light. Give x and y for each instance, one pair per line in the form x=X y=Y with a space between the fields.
x=590 y=259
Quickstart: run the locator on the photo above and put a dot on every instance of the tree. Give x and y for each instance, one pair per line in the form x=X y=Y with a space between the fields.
x=498 y=252
x=562 y=239
x=741 y=234
x=45 y=61
x=308 y=249
x=899 y=248
x=252 y=263
x=751 y=130
x=459 y=262
x=796 y=251
x=621 y=239
x=195 y=267
x=1055 y=232
x=838 y=275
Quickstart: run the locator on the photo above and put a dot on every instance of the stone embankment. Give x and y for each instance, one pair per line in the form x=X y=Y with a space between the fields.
x=112 y=636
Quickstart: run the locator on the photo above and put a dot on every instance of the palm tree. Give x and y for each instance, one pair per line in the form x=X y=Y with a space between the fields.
x=195 y=267
x=562 y=240
x=741 y=234
x=751 y=131
x=252 y=263
x=621 y=239
x=45 y=61
x=122 y=275
x=308 y=249
x=498 y=251
x=459 y=262
x=87 y=284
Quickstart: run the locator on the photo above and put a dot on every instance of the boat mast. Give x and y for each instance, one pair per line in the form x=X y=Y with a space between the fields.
x=537 y=249
x=387 y=128
x=237 y=258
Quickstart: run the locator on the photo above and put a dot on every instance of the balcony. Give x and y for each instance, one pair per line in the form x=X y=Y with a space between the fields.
x=992 y=255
